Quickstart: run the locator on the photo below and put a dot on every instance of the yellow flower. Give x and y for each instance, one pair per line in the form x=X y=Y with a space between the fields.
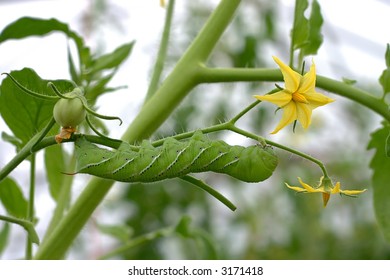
x=162 y=3
x=326 y=188
x=299 y=97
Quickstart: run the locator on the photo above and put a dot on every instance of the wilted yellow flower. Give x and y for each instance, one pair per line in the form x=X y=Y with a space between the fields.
x=299 y=97
x=326 y=188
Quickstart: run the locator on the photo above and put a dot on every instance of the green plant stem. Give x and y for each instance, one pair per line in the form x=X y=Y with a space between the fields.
x=43 y=133
x=152 y=115
x=298 y=153
x=32 y=147
x=138 y=241
x=183 y=77
x=30 y=92
x=30 y=211
x=58 y=242
x=210 y=190
x=243 y=112
x=27 y=225
x=219 y=75
x=162 y=52
x=248 y=108
x=233 y=128
x=92 y=112
x=230 y=125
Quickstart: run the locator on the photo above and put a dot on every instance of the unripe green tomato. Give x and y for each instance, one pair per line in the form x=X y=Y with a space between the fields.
x=69 y=112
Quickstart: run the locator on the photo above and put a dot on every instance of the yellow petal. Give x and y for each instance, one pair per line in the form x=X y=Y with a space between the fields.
x=316 y=99
x=280 y=98
x=291 y=78
x=304 y=114
x=336 y=188
x=289 y=115
x=297 y=189
x=352 y=192
x=308 y=81
x=307 y=187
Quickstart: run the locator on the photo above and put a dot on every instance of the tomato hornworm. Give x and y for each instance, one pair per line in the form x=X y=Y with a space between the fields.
x=175 y=159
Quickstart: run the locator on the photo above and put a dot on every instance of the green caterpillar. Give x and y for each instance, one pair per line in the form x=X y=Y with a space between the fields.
x=175 y=159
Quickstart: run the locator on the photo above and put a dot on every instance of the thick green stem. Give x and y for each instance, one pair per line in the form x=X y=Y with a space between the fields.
x=219 y=75
x=178 y=84
x=59 y=241
x=184 y=76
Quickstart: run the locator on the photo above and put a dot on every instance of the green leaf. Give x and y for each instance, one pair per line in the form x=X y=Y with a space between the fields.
x=380 y=164
x=55 y=164
x=387 y=56
x=384 y=79
x=12 y=198
x=12 y=139
x=72 y=68
x=28 y=26
x=4 y=233
x=315 y=38
x=300 y=31
x=120 y=232
x=306 y=33
x=247 y=56
x=26 y=115
x=112 y=60
x=99 y=87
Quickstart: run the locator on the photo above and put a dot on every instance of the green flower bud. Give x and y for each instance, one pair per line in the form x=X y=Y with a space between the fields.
x=69 y=112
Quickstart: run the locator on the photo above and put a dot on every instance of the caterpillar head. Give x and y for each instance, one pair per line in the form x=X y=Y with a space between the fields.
x=88 y=155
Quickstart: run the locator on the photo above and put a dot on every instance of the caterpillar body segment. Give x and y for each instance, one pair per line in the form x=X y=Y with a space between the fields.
x=175 y=159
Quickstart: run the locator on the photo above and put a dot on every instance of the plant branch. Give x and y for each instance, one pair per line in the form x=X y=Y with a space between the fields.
x=218 y=75
x=27 y=225
x=210 y=190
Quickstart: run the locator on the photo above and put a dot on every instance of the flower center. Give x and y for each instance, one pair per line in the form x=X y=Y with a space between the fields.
x=298 y=97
